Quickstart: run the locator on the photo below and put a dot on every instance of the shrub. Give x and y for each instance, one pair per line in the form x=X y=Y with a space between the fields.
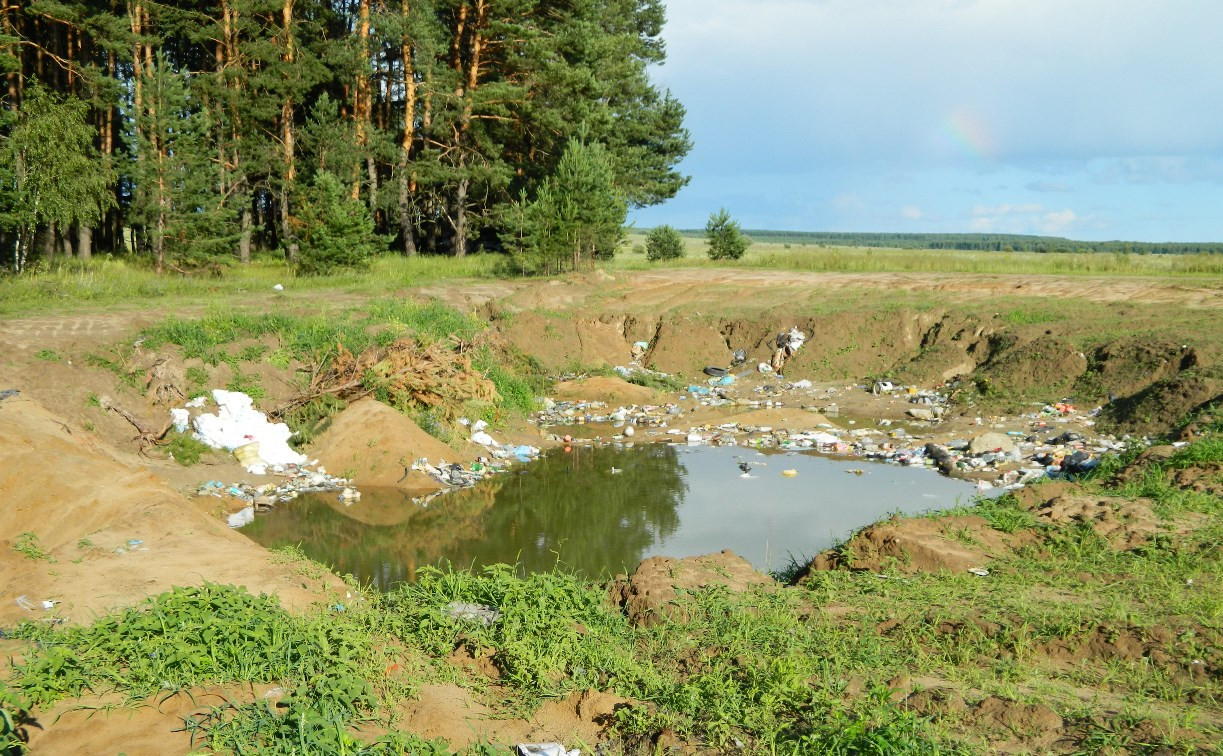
x=663 y=243
x=726 y=241
x=336 y=232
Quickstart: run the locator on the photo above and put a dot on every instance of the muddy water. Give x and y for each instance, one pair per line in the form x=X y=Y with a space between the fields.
x=601 y=510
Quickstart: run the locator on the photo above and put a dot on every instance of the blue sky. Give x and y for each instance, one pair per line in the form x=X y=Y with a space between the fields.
x=1091 y=119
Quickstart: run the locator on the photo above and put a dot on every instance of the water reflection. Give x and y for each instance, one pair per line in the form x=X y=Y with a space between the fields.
x=601 y=510
x=566 y=508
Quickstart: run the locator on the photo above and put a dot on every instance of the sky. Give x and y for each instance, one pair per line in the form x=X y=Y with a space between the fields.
x=1089 y=119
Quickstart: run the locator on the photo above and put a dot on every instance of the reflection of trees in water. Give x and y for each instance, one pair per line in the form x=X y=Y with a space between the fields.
x=569 y=507
x=381 y=554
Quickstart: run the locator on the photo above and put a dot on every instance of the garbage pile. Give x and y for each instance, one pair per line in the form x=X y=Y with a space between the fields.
x=260 y=498
x=582 y=413
x=238 y=427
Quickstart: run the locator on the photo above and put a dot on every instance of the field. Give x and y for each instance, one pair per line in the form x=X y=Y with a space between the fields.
x=1097 y=629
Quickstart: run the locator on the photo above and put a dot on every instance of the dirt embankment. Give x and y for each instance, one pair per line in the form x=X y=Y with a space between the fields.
x=108 y=527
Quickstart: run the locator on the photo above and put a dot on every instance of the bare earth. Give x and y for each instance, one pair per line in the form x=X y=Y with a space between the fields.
x=121 y=527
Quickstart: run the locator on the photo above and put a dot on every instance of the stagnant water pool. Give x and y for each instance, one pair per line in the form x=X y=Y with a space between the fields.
x=600 y=510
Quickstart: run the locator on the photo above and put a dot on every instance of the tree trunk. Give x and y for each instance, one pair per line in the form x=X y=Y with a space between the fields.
x=48 y=241
x=406 y=229
x=244 y=245
x=65 y=243
x=361 y=94
x=460 y=218
x=286 y=123
x=84 y=242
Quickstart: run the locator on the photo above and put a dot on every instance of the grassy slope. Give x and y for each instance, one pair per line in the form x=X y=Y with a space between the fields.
x=802 y=670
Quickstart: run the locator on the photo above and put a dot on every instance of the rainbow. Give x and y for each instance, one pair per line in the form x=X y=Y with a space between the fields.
x=966 y=132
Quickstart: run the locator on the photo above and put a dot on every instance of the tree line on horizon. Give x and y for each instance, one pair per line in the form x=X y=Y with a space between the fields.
x=972 y=242
x=185 y=132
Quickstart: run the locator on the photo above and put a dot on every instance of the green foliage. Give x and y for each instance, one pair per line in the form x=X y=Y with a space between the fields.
x=576 y=217
x=335 y=231
x=48 y=355
x=185 y=448
x=663 y=243
x=725 y=240
x=50 y=172
x=28 y=545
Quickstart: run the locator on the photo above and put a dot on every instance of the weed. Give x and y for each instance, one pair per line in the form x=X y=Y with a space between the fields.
x=47 y=354
x=29 y=546
x=185 y=449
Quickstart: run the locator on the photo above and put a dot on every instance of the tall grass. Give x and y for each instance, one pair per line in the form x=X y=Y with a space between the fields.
x=104 y=281
x=875 y=260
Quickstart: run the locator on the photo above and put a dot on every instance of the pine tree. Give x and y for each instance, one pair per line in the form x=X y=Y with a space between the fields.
x=663 y=243
x=726 y=241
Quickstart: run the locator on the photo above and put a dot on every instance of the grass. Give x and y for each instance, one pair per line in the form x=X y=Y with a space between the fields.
x=28 y=545
x=185 y=449
x=809 y=669
x=104 y=281
x=222 y=335
x=830 y=259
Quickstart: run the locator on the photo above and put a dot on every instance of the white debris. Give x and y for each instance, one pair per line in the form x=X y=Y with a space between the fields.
x=244 y=517
x=237 y=423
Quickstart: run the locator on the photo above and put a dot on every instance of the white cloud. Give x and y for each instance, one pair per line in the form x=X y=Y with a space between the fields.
x=1005 y=209
x=1058 y=222
x=912 y=212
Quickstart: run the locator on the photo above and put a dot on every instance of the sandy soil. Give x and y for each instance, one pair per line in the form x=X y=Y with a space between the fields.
x=118 y=527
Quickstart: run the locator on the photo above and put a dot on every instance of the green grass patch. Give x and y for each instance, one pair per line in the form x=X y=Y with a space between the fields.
x=28 y=545
x=185 y=448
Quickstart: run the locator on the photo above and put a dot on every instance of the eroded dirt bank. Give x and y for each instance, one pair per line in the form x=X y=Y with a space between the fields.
x=112 y=526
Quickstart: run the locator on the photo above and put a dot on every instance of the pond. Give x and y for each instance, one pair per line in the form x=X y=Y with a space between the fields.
x=600 y=510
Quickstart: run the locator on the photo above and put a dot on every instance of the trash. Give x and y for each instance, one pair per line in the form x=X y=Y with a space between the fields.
x=639 y=349
x=544 y=749
x=485 y=615
x=237 y=423
x=350 y=494
x=882 y=387
x=6 y=393
x=979 y=572
x=25 y=603
x=278 y=287
x=803 y=384
x=242 y=518
x=789 y=473
x=764 y=367
x=482 y=438
x=629 y=431
x=48 y=605
x=478 y=426
x=738 y=358
x=199 y=401
x=715 y=372
x=788 y=343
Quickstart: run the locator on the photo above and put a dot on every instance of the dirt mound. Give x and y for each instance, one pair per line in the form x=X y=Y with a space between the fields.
x=790 y=418
x=154 y=726
x=453 y=713
x=106 y=532
x=1162 y=405
x=652 y=594
x=1128 y=366
x=1183 y=656
x=1044 y=365
x=1011 y=726
x=686 y=345
x=560 y=342
x=374 y=445
x=614 y=391
x=919 y=545
x=1124 y=524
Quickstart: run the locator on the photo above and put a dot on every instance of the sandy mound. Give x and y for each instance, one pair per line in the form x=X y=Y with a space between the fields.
x=451 y=712
x=789 y=418
x=614 y=391
x=686 y=345
x=84 y=505
x=918 y=545
x=374 y=444
x=651 y=595
x=560 y=343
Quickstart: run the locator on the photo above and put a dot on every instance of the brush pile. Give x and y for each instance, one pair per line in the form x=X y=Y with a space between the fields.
x=404 y=375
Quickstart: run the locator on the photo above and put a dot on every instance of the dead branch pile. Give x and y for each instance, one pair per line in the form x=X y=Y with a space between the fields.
x=404 y=375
